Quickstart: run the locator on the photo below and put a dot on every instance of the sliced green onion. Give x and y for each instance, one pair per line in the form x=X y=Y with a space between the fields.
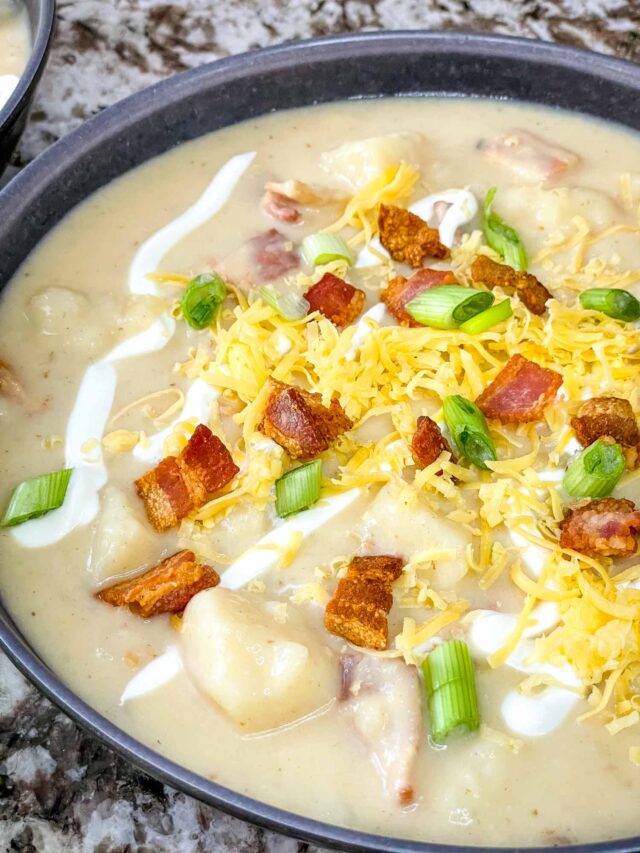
x=291 y=306
x=469 y=430
x=299 y=488
x=502 y=238
x=595 y=471
x=449 y=305
x=202 y=299
x=319 y=249
x=451 y=690
x=489 y=318
x=619 y=304
x=36 y=497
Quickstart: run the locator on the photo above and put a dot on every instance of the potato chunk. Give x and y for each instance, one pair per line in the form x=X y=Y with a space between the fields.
x=258 y=661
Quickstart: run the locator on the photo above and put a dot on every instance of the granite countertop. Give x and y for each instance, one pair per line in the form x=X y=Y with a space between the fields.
x=60 y=789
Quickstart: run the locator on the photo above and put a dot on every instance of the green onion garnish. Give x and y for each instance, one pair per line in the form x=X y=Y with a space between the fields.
x=469 y=430
x=619 y=304
x=449 y=305
x=291 y=306
x=451 y=690
x=202 y=299
x=502 y=238
x=595 y=471
x=489 y=318
x=36 y=497
x=319 y=249
x=299 y=488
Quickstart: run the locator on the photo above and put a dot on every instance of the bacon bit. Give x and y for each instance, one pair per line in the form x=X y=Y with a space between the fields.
x=428 y=443
x=180 y=484
x=272 y=254
x=408 y=238
x=520 y=392
x=166 y=588
x=609 y=417
x=11 y=389
x=528 y=156
x=601 y=528
x=339 y=301
x=531 y=292
x=400 y=291
x=363 y=598
x=280 y=207
x=297 y=420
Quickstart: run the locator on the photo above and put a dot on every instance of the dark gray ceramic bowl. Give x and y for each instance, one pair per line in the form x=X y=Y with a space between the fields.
x=217 y=95
x=14 y=113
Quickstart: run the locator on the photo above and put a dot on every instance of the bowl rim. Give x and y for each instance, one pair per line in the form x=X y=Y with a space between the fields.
x=21 y=191
x=20 y=96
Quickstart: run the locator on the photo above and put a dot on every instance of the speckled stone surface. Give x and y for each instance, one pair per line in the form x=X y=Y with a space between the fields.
x=60 y=789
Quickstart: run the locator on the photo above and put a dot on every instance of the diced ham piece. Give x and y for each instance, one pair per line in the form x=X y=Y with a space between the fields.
x=298 y=421
x=166 y=588
x=339 y=301
x=280 y=207
x=180 y=484
x=532 y=292
x=611 y=417
x=400 y=291
x=528 y=156
x=428 y=443
x=381 y=696
x=602 y=528
x=363 y=598
x=408 y=238
x=520 y=392
x=272 y=255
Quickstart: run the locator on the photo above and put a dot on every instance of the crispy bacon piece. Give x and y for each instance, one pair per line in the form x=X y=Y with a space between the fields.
x=297 y=420
x=166 y=588
x=400 y=291
x=532 y=292
x=280 y=207
x=520 y=392
x=381 y=697
x=180 y=484
x=408 y=238
x=338 y=300
x=528 y=156
x=611 y=417
x=602 y=528
x=428 y=442
x=363 y=598
x=273 y=255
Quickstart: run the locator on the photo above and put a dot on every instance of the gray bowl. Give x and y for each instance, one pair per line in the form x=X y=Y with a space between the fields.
x=246 y=86
x=13 y=114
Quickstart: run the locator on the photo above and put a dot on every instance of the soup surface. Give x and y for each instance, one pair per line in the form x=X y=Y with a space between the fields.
x=15 y=45
x=263 y=655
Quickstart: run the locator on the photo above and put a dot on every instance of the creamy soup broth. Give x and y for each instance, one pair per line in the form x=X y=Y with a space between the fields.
x=15 y=45
x=69 y=305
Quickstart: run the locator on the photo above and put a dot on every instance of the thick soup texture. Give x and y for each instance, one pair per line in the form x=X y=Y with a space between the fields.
x=349 y=398
x=15 y=45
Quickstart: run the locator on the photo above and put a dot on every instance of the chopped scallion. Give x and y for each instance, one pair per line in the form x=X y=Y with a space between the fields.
x=451 y=690
x=319 y=249
x=614 y=302
x=449 y=305
x=469 y=430
x=291 y=306
x=489 y=318
x=502 y=238
x=595 y=472
x=202 y=300
x=299 y=488
x=36 y=497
